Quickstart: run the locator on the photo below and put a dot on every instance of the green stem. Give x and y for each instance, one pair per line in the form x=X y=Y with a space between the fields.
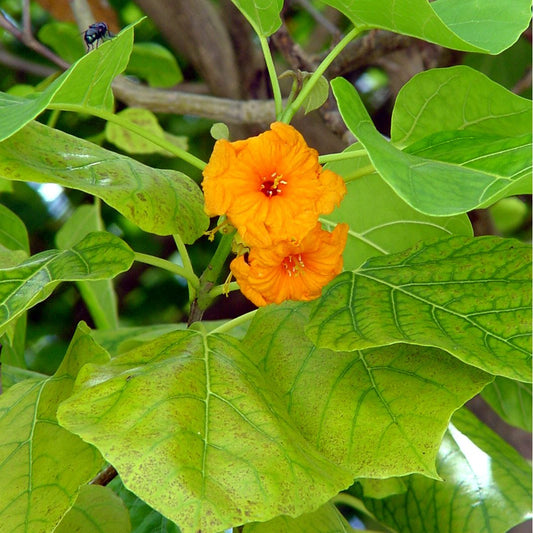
x=291 y=109
x=221 y=289
x=359 y=173
x=353 y=154
x=209 y=278
x=237 y=321
x=187 y=265
x=168 y=265
x=272 y=74
x=120 y=121
x=53 y=118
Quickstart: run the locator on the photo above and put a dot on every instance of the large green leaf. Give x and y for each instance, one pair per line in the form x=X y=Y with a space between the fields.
x=13 y=233
x=486 y=486
x=512 y=400
x=263 y=15
x=380 y=221
x=457 y=99
x=97 y=510
x=86 y=83
x=470 y=297
x=99 y=296
x=488 y=26
x=377 y=412
x=99 y=255
x=455 y=172
x=197 y=432
x=159 y=201
x=41 y=464
x=326 y=519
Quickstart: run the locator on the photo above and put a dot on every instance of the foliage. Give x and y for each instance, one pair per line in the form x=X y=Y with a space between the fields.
x=280 y=418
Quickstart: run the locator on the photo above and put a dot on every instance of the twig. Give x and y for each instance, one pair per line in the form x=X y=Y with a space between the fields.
x=17 y=63
x=29 y=40
x=105 y=476
x=321 y=19
x=523 y=83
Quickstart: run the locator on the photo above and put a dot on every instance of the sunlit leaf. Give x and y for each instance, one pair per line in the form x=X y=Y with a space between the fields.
x=97 y=510
x=470 y=297
x=41 y=464
x=377 y=412
x=135 y=144
x=219 y=443
x=486 y=486
x=99 y=296
x=489 y=26
x=160 y=201
x=442 y=179
x=99 y=255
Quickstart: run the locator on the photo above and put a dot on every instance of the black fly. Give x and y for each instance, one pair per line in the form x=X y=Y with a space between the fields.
x=94 y=33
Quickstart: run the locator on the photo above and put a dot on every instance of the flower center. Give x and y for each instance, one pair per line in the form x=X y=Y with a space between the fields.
x=271 y=185
x=293 y=264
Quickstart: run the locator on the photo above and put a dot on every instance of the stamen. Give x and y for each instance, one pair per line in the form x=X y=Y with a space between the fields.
x=271 y=186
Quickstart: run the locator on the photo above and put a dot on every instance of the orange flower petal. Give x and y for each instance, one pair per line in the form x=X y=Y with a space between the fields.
x=288 y=271
x=271 y=187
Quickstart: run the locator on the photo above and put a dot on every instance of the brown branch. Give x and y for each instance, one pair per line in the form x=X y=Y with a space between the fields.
x=181 y=103
x=523 y=83
x=105 y=476
x=17 y=63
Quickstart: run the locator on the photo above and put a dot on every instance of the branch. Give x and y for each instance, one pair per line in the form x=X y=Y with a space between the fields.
x=105 y=476
x=17 y=63
x=181 y=103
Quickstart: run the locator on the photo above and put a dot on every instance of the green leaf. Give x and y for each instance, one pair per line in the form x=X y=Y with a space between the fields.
x=143 y=518
x=219 y=130
x=486 y=486
x=511 y=400
x=470 y=297
x=11 y=375
x=325 y=519
x=159 y=201
x=64 y=39
x=380 y=221
x=135 y=144
x=382 y=488
x=13 y=232
x=445 y=181
x=198 y=433
x=487 y=26
x=263 y=15
x=318 y=95
x=99 y=296
x=86 y=83
x=378 y=412
x=457 y=99
x=97 y=510
x=41 y=464
x=155 y=64
x=99 y=255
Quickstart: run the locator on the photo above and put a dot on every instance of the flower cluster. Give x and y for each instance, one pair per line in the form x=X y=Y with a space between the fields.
x=272 y=189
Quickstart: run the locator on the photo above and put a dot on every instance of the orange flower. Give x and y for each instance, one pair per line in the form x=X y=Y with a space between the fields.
x=271 y=187
x=288 y=271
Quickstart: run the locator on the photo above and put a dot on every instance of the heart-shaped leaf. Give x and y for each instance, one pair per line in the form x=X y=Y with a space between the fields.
x=377 y=412
x=159 y=201
x=197 y=432
x=441 y=181
x=41 y=464
x=470 y=297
